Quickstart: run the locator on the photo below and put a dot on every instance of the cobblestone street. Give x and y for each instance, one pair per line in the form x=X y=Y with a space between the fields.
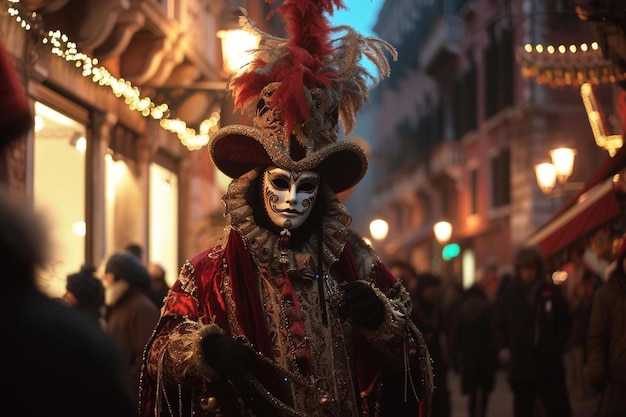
x=501 y=400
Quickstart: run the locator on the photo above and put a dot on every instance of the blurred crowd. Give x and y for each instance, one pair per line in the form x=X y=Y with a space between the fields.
x=559 y=335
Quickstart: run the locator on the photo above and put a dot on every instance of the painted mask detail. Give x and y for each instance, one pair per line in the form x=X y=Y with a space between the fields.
x=289 y=196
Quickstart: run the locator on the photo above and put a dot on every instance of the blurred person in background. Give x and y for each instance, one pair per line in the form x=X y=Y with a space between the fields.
x=136 y=249
x=131 y=315
x=475 y=352
x=84 y=291
x=490 y=280
x=428 y=316
x=606 y=341
x=54 y=360
x=532 y=323
x=600 y=257
x=580 y=286
x=159 y=287
x=406 y=273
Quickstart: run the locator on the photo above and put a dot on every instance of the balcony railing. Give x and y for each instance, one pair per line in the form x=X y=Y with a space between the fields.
x=443 y=40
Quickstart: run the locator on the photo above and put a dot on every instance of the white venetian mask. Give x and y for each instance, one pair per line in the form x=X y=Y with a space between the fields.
x=289 y=196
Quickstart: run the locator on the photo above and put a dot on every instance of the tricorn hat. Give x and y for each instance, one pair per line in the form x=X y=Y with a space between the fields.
x=303 y=86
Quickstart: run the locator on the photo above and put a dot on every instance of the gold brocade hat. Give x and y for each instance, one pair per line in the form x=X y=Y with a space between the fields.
x=304 y=86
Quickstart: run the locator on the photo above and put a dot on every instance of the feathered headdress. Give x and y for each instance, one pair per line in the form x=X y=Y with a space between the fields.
x=304 y=86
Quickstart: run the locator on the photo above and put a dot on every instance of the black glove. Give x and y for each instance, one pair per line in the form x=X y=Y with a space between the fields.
x=229 y=357
x=362 y=306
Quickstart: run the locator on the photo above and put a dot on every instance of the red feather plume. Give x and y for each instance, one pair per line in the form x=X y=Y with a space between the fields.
x=301 y=68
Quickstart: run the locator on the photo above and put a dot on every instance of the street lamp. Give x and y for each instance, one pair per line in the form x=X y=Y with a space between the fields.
x=379 y=229
x=237 y=43
x=443 y=231
x=560 y=169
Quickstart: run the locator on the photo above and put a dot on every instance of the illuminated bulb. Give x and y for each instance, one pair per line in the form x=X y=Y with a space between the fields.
x=379 y=229
x=443 y=231
x=563 y=161
x=79 y=228
x=81 y=144
x=546 y=176
x=559 y=277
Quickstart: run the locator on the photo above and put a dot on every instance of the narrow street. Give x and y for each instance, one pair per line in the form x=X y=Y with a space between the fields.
x=501 y=400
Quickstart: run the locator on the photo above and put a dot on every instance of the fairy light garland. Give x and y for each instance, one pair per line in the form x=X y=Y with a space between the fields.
x=568 y=65
x=64 y=48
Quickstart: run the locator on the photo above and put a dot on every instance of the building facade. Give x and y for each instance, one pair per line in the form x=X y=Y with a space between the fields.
x=459 y=128
x=124 y=94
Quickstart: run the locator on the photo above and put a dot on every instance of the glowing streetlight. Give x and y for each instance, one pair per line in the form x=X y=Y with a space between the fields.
x=546 y=176
x=237 y=43
x=443 y=231
x=379 y=229
x=559 y=170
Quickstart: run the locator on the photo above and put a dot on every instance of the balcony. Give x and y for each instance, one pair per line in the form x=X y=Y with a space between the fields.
x=168 y=52
x=447 y=159
x=441 y=47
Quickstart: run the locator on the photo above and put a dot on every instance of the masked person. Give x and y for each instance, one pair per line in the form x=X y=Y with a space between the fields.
x=291 y=314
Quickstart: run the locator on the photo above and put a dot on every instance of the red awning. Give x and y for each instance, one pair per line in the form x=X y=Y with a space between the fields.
x=597 y=206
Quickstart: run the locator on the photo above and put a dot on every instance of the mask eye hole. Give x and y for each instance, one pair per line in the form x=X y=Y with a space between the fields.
x=280 y=183
x=307 y=187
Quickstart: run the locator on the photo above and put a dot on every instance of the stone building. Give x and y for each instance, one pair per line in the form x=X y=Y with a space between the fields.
x=124 y=94
x=458 y=128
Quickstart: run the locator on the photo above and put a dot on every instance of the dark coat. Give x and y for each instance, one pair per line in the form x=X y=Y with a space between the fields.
x=606 y=346
x=131 y=322
x=55 y=361
x=534 y=322
x=475 y=350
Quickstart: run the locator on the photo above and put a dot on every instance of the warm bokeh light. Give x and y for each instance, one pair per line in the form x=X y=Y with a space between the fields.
x=563 y=161
x=379 y=229
x=236 y=47
x=546 y=176
x=443 y=231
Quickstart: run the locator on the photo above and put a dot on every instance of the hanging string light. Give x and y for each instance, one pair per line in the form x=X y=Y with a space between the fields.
x=568 y=65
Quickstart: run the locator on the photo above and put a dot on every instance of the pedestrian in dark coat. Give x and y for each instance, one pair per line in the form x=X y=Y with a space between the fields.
x=532 y=324
x=428 y=316
x=606 y=341
x=84 y=291
x=132 y=315
x=54 y=360
x=476 y=357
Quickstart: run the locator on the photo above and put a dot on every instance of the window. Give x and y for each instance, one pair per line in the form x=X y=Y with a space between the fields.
x=465 y=102
x=473 y=191
x=164 y=220
x=501 y=179
x=59 y=191
x=499 y=70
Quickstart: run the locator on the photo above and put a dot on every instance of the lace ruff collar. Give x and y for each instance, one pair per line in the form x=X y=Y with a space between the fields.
x=263 y=244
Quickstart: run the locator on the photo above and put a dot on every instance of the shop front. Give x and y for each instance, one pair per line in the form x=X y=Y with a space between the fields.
x=600 y=205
